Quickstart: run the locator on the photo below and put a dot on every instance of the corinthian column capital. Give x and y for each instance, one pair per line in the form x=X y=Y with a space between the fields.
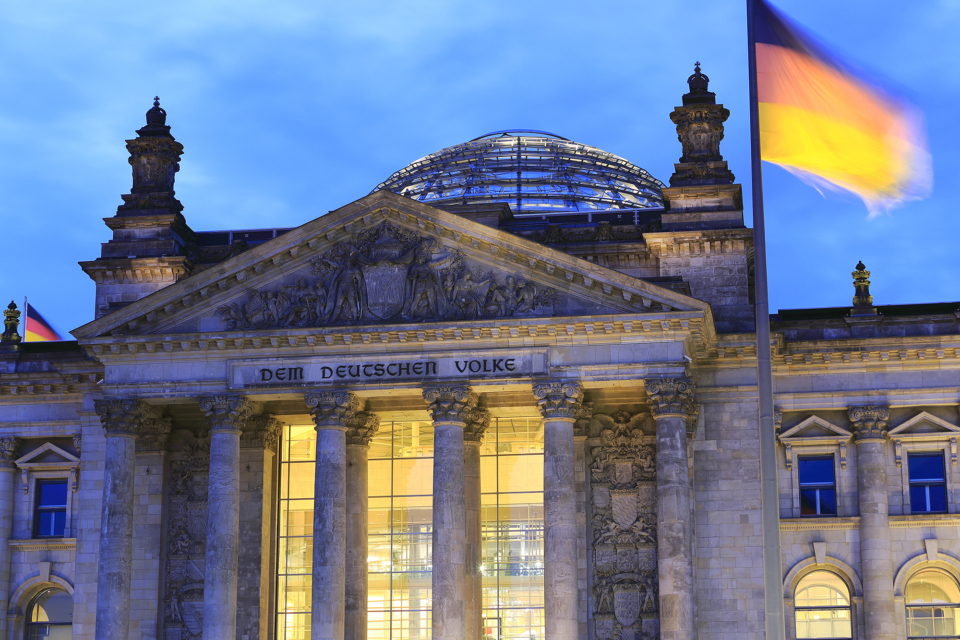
x=121 y=416
x=450 y=403
x=332 y=409
x=260 y=432
x=672 y=397
x=8 y=449
x=478 y=421
x=154 y=434
x=559 y=400
x=226 y=412
x=869 y=422
x=361 y=428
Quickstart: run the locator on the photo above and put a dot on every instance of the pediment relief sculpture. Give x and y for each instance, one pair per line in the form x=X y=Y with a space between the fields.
x=389 y=274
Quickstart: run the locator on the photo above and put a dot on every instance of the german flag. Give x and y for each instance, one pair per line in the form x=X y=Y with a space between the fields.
x=37 y=329
x=830 y=125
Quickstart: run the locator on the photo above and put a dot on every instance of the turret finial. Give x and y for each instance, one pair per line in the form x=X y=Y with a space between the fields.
x=862 y=300
x=11 y=320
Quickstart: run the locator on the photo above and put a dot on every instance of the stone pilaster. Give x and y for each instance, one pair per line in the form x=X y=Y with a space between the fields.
x=8 y=448
x=672 y=404
x=451 y=408
x=876 y=562
x=478 y=421
x=256 y=556
x=226 y=416
x=332 y=412
x=360 y=431
x=121 y=419
x=560 y=404
x=581 y=431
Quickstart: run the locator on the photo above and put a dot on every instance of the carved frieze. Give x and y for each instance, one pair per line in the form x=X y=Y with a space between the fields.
x=388 y=274
x=869 y=422
x=624 y=530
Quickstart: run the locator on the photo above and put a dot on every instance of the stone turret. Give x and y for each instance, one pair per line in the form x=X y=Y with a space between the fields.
x=11 y=321
x=150 y=233
x=701 y=193
x=862 y=300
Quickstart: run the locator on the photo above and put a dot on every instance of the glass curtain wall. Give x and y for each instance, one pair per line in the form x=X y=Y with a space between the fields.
x=400 y=517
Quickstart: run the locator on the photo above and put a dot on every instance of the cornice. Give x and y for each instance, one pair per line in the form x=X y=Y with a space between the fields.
x=44 y=544
x=819 y=524
x=48 y=384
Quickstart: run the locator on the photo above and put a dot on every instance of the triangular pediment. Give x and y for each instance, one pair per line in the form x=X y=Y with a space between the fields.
x=385 y=259
x=815 y=428
x=923 y=425
x=47 y=455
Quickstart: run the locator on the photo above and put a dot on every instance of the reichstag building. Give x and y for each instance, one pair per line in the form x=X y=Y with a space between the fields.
x=509 y=394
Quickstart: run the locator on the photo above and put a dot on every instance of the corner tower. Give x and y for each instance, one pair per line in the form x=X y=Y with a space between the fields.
x=149 y=231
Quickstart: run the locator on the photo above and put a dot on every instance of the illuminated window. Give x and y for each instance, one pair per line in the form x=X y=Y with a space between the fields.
x=932 y=600
x=50 y=512
x=50 y=616
x=822 y=607
x=818 y=491
x=928 y=483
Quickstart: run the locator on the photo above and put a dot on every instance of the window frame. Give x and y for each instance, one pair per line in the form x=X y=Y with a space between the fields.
x=29 y=624
x=946 y=605
x=936 y=435
x=925 y=453
x=814 y=437
x=818 y=487
x=849 y=607
x=38 y=509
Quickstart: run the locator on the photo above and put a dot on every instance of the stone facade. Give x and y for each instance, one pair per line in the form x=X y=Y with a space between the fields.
x=632 y=344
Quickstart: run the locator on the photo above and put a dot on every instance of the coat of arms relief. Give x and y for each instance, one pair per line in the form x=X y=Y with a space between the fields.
x=625 y=597
x=389 y=274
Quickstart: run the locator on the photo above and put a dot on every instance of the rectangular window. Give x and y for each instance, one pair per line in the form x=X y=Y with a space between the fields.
x=50 y=513
x=928 y=483
x=818 y=489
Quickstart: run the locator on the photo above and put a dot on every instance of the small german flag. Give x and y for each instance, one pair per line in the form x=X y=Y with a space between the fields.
x=37 y=329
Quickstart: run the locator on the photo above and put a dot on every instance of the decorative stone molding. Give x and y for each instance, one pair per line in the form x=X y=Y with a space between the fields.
x=225 y=412
x=78 y=441
x=581 y=427
x=332 y=409
x=869 y=422
x=924 y=430
x=672 y=397
x=154 y=435
x=121 y=416
x=8 y=447
x=260 y=432
x=361 y=428
x=777 y=419
x=450 y=403
x=478 y=421
x=46 y=459
x=559 y=400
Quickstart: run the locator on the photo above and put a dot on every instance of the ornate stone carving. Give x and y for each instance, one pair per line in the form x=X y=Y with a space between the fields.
x=672 y=396
x=559 y=400
x=478 y=421
x=78 y=442
x=581 y=426
x=388 y=274
x=154 y=434
x=260 y=432
x=11 y=321
x=450 y=403
x=332 y=409
x=869 y=422
x=225 y=412
x=8 y=450
x=777 y=419
x=121 y=416
x=155 y=159
x=700 y=129
x=361 y=428
x=624 y=529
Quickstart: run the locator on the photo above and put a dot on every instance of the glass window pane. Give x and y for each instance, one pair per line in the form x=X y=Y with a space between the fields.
x=822 y=589
x=808 y=502
x=828 y=502
x=816 y=470
x=52 y=494
x=918 y=499
x=932 y=586
x=52 y=605
x=938 y=498
x=823 y=623
x=926 y=467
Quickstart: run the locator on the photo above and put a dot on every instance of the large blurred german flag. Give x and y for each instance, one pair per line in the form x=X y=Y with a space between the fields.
x=832 y=126
x=37 y=329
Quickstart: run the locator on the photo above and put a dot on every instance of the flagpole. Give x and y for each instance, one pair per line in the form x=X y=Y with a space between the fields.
x=25 y=314
x=769 y=496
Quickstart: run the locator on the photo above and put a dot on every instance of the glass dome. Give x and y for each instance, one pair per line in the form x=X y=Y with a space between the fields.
x=535 y=172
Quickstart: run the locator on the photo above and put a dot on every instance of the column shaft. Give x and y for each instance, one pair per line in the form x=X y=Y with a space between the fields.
x=223 y=533
x=674 y=530
x=116 y=539
x=560 y=522
x=329 y=536
x=448 y=532
x=355 y=622
x=876 y=564
x=8 y=446
x=472 y=579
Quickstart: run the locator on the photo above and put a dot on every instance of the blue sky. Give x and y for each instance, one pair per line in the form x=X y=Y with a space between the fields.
x=290 y=109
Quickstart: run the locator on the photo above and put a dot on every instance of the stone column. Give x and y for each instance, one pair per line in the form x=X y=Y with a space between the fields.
x=258 y=526
x=876 y=564
x=226 y=416
x=581 y=431
x=121 y=419
x=478 y=421
x=8 y=448
x=361 y=429
x=450 y=406
x=673 y=406
x=331 y=411
x=560 y=403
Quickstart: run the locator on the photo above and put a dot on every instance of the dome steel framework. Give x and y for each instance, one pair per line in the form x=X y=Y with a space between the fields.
x=535 y=172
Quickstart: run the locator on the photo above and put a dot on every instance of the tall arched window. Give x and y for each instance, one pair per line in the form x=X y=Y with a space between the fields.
x=822 y=607
x=932 y=601
x=50 y=616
